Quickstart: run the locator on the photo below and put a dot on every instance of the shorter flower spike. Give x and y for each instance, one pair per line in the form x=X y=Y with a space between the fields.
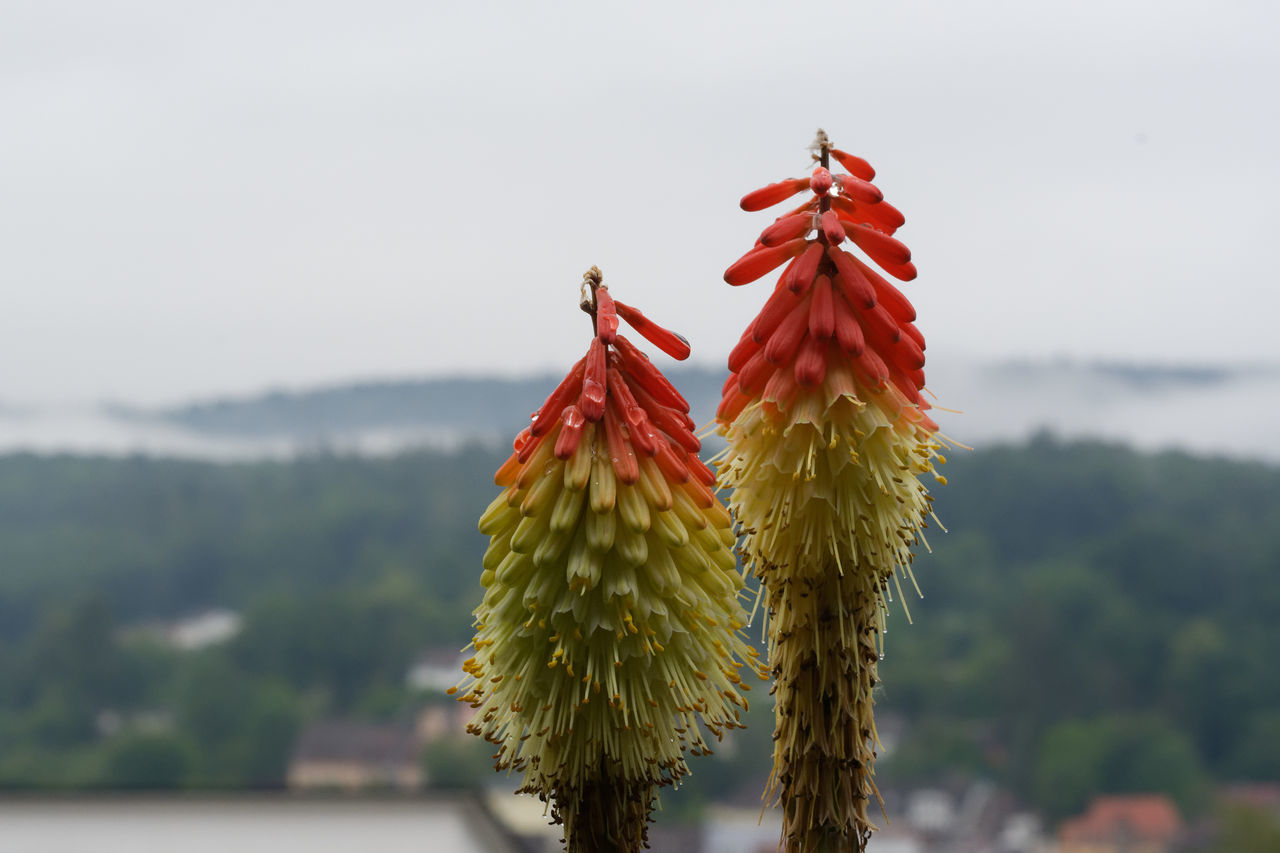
x=609 y=637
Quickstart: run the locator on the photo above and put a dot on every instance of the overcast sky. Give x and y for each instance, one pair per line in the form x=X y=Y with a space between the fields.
x=202 y=198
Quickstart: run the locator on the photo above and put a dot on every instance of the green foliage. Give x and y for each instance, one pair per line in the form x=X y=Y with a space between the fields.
x=1246 y=829
x=1090 y=603
x=937 y=743
x=147 y=761
x=453 y=763
x=1116 y=754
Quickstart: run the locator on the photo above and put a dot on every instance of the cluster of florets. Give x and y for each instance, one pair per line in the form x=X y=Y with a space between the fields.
x=610 y=626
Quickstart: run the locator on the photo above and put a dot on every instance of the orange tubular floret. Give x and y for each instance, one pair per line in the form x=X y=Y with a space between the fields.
x=760 y=262
x=882 y=215
x=850 y=279
x=882 y=330
x=860 y=191
x=592 y=399
x=668 y=420
x=872 y=368
x=772 y=194
x=506 y=473
x=666 y=340
x=556 y=402
x=911 y=356
x=638 y=367
x=848 y=332
x=731 y=405
x=894 y=301
x=620 y=451
x=779 y=306
x=916 y=335
x=854 y=165
x=822 y=315
x=746 y=348
x=572 y=422
x=670 y=462
x=606 y=316
x=701 y=473
x=811 y=362
x=831 y=228
x=883 y=249
x=800 y=274
x=820 y=181
x=787 y=228
x=779 y=391
x=902 y=272
x=783 y=343
x=754 y=373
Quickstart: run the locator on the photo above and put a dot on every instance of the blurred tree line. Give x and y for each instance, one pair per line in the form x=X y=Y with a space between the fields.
x=1098 y=620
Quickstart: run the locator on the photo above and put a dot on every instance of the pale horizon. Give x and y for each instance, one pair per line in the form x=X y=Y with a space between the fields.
x=206 y=201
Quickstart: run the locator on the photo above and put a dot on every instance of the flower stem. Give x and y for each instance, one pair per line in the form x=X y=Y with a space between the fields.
x=606 y=814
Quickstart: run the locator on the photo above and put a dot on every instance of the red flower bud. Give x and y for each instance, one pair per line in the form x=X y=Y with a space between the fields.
x=783 y=343
x=800 y=274
x=854 y=165
x=822 y=313
x=883 y=249
x=666 y=340
x=811 y=362
x=759 y=262
x=780 y=304
x=606 y=316
x=787 y=228
x=572 y=423
x=545 y=418
x=644 y=375
x=860 y=191
x=821 y=181
x=850 y=280
x=831 y=228
x=774 y=193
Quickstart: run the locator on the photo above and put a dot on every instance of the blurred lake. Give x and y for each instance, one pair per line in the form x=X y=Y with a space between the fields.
x=266 y=824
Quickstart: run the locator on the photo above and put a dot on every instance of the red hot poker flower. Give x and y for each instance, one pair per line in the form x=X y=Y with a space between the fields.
x=609 y=637
x=827 y=439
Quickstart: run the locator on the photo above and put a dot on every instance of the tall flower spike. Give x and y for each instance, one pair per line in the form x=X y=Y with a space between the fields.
x=610 y=626
x=828 y=437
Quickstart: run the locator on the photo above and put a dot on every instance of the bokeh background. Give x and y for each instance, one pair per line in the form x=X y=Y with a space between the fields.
x=281 y=280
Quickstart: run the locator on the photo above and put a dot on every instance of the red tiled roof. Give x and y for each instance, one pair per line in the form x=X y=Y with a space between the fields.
x=1148 y=817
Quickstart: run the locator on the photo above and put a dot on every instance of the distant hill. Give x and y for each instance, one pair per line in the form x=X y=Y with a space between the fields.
x=481 y=407
x=1205 y=410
